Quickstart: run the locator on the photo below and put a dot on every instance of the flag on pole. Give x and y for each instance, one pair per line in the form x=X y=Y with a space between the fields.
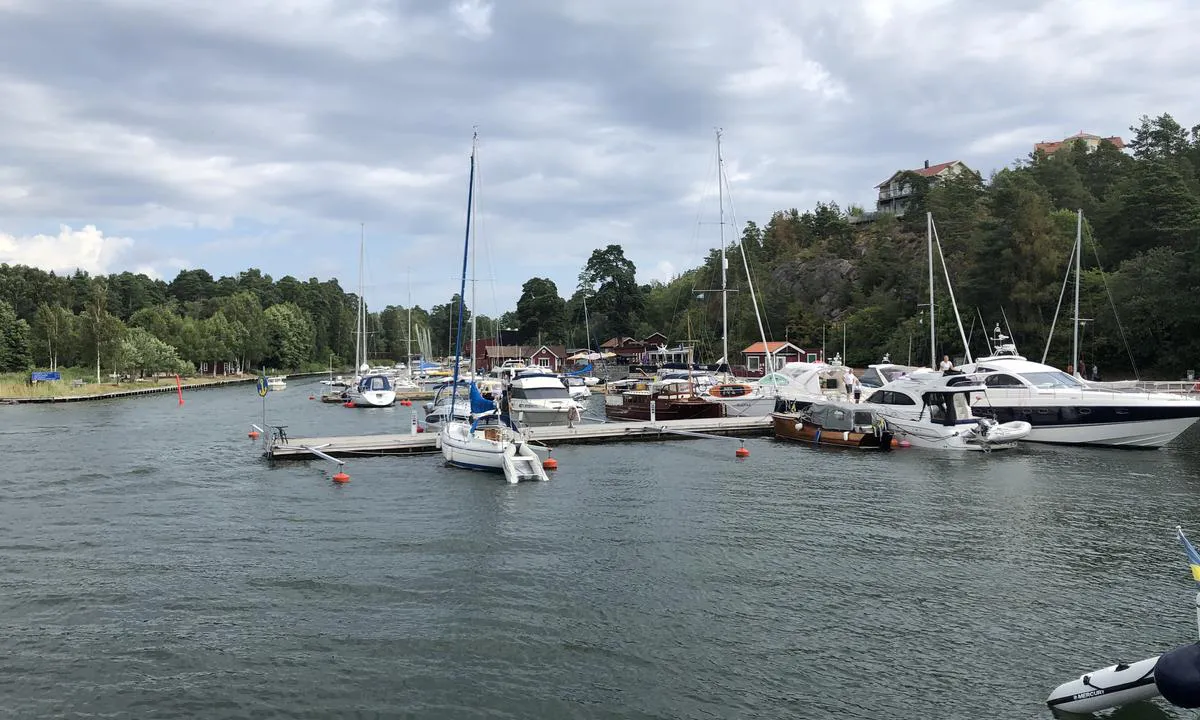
x=1192 y=555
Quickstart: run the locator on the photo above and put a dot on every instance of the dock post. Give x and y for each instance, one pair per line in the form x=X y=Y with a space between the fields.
x=412 y=430
x=653 y=406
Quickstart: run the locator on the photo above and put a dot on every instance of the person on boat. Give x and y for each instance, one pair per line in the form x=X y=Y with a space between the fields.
x=1095 y=372
x=946 y=364
x=1071 y=369
x=857 y=390
x=848 y=381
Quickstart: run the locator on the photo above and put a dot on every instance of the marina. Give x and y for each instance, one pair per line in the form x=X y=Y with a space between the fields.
x=700 y=584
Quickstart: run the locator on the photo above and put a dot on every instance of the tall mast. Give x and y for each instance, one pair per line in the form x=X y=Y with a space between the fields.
x=724 y=262
x=933 y=361
x=462 y=288
x=475 y=201
x=1078 y=265
x=360 y=349
x=408 y=362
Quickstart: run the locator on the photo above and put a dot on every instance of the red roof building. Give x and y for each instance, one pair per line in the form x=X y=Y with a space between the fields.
x=894 y=194
x=1089 y=140
x=782 y=353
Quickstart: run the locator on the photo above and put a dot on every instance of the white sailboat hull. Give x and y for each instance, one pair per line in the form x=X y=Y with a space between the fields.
x=751 y=406
x=373 y=398
x=490 y=450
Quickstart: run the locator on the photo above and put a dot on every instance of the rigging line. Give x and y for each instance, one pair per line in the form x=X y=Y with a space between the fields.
x=1061 y=293
x=700 y=203
x=1112 y=304
x=724 y=177
x=950 y=291
x=987 y=348
x=764 y=324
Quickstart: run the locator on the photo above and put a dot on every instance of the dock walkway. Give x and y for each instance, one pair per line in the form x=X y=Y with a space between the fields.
x=586 y=433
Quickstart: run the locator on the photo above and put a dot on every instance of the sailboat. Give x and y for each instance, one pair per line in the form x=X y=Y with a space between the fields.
x=370 y=389
x=486 y=440
x=738 y=399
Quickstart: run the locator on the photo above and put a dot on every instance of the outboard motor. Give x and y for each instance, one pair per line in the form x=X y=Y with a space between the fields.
x=1177 y=676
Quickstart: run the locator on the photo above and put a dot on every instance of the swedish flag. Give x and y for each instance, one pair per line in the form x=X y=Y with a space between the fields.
x=1193 y=556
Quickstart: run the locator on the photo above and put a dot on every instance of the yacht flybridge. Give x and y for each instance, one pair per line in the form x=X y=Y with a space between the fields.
x=1066 y=409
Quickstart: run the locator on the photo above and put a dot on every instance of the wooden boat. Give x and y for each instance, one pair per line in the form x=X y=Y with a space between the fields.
x=829 y=422
x=672 y=401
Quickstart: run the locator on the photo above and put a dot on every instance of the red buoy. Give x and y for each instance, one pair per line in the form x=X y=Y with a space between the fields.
x=550 y=464
x=341 y=478
x=742 y=452
x=348 y=403
x=420 y=429
x=310 y=397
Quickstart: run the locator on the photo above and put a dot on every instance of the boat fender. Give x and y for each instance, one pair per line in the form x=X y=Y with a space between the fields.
x=1177 y=675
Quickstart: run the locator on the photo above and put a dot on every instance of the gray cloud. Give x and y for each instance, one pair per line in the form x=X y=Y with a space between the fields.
x=189 y=126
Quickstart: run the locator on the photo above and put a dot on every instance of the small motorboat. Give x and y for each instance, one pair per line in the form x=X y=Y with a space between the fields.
x=830 y=422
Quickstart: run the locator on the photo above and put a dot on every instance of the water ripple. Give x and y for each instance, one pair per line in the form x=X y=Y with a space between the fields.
x=154 y=566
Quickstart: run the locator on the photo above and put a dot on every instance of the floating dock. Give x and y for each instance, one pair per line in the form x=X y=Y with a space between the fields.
x=586 y=433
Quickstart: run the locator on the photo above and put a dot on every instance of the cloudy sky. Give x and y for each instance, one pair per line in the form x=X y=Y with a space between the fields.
x=154 y=135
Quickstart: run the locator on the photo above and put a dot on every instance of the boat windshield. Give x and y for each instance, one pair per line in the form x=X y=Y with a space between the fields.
x=1052 y=380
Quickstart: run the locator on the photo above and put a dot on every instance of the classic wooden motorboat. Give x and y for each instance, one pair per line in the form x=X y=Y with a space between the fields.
x=830 y=422
x=671 y=401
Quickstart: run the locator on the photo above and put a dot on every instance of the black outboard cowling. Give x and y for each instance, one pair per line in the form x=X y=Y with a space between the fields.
x=1177 y=675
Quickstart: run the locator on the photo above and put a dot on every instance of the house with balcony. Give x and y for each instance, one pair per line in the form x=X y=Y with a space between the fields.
x=1090 y=141
x=895 y=194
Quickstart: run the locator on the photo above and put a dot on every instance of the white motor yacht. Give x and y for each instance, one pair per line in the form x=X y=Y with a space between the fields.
x=932 y=409
x=1065 y=409
x=538 y=399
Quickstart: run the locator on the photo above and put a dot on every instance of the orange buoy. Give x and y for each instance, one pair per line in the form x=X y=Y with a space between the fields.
x=550 y=464
x=742 y=452
x=253 y=434
x=895 y=443
x=340 y=477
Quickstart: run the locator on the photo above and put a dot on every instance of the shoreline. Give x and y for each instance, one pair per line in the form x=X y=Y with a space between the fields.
x=136 y=392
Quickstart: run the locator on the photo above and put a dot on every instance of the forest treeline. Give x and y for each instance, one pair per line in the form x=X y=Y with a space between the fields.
x=817 y=275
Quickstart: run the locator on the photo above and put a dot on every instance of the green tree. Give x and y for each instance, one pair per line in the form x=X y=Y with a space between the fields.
x=14 y=341
x=53 y=331
x=615 y=298
x=144 y=354
x=291 y=337
x=540 y=311
x=247 y=333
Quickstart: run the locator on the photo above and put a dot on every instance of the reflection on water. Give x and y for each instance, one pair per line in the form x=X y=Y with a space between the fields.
x=154 y=566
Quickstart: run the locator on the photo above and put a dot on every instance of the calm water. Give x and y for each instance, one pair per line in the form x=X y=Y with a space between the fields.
x=154 y=566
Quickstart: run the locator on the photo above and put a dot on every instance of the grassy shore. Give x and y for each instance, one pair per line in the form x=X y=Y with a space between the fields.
x=14 y=386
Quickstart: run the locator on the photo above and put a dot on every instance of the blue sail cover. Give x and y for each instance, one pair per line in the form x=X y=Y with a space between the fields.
x=582 y=371
x=479 y=403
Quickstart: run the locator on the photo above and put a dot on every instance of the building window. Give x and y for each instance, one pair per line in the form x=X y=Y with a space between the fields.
x=812 y=357
x=544 y=362
x=752 y=362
